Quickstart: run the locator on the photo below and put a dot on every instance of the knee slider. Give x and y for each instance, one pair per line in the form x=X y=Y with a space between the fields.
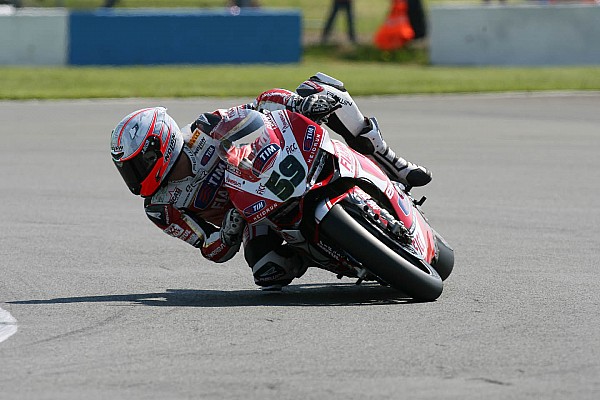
x=275 y=268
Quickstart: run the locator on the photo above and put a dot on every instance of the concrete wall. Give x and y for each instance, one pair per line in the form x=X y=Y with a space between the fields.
x=515 y=35
x=129 y=37
x=136 y=37
x=34 y=37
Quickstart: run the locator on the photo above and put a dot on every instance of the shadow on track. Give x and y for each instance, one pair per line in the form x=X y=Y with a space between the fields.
x=295 y=295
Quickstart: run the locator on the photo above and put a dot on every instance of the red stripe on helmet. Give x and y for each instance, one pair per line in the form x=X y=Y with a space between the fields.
x=126 y=122
x=148 y=133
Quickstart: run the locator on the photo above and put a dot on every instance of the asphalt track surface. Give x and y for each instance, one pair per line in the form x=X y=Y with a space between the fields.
x=109 y=307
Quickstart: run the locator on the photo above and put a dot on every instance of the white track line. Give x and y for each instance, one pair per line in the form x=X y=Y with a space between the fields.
x=8 y=325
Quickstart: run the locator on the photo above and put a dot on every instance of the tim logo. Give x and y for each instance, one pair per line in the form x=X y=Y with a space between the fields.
x=209 y=188
x=207 y=155
x=309 y=138
x=254 y=208
x=266 y=157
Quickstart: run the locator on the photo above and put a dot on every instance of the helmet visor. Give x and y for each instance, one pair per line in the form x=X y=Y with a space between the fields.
x=136 y=169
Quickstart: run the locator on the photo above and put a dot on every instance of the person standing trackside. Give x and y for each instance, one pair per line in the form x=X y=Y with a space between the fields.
x=109 y=3
x=336 y=6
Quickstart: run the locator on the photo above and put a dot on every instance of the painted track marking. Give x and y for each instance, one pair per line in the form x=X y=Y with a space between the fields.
x=8 y=325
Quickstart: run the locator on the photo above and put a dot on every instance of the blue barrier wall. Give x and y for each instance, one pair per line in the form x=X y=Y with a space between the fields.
x=128 y=37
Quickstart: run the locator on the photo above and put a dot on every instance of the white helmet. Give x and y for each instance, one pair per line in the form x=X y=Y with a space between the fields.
x=144 y=146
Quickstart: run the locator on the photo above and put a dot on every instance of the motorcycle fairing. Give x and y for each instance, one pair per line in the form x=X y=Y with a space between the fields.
x=283 y=157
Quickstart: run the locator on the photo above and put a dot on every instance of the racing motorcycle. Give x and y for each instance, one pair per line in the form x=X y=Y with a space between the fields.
x=331 y=204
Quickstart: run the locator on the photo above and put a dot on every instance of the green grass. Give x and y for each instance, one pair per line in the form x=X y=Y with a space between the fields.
x=224 y=81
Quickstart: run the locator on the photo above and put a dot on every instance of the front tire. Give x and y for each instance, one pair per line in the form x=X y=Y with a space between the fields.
x=444 y=264
x=420 y=282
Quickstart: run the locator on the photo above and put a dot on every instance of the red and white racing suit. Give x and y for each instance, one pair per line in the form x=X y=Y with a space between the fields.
x=192 y=209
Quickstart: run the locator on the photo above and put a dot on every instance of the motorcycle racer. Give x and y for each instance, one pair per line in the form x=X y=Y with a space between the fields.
x=180 y=176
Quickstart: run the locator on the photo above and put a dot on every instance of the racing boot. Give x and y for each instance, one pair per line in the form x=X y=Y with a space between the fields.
x=370 y=142
x=362 y=134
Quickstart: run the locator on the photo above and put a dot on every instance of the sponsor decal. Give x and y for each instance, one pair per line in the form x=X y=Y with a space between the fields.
x=207 y=155
x=339 y=99
x=216 y=251
x=284 y=121
x=291 y=148
x=170 y=148
x=264 y=212
x=403 y=202
x=233 y=182
x=210 y=186
x=200 y=146
x=309 y=138
x=254 y=208
x=195 y=137
x=346 y=160
x=261 y=189
x=134 y=130
x=174 y=230
x=202 y=118
x=389 y=191
x=174 y=195
x=266 y=157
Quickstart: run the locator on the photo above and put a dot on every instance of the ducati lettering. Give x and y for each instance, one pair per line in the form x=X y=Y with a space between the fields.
x=254 y=208
x=233 y=182
x=309 y=138
x=284 y=122
x=207 y=155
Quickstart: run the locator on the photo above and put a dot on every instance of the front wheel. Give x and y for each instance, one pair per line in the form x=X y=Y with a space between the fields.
x=419 y=282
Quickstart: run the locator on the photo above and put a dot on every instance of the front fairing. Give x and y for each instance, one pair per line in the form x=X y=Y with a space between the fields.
x=272 y=169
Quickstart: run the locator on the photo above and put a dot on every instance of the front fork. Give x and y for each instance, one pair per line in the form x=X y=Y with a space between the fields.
x=362 y=206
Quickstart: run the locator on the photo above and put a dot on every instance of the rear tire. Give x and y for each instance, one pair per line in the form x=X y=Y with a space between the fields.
x=420 y=282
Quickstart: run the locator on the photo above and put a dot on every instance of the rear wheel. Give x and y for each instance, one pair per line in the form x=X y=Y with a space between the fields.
x=419 y=279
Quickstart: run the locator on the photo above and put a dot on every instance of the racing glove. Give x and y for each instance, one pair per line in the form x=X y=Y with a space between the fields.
x=316 y=107
x=232 y=228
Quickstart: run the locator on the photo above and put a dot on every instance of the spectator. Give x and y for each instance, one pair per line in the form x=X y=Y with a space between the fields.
x=243 y=3
x=109 y=3
x=336 y=6
x=416 y=16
